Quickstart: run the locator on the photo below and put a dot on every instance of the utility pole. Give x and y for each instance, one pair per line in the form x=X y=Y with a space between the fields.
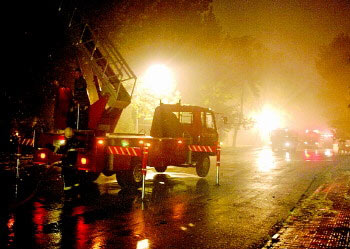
x=240 y=119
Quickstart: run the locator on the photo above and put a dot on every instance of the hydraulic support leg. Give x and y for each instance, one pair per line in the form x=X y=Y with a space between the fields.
x=218 y=151
x=144 y=169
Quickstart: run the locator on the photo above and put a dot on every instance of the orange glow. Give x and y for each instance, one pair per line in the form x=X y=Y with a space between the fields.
x=42 y=155
x=10 y=223
x=138 y=219
x=178 y=211
x=100 y=141
x=98 y=242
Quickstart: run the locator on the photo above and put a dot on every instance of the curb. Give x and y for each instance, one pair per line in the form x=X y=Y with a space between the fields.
x=321 y=220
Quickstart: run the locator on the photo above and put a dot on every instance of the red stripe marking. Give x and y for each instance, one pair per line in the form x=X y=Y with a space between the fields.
x=117 y=151
x=121 y=151
x=134 y=151
x=201 y=148
x=124 y=150
x=110 y=150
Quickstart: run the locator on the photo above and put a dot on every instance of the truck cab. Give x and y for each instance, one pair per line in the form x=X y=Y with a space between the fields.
x=192 y=122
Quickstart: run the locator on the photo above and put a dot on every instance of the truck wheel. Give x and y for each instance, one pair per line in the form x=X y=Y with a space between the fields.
x=130 y=178
x=88 y=177
x=108 y=172
x=202 y=166
x=161 y=169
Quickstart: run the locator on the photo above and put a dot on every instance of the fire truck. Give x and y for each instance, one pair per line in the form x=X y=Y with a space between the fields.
x=180 y=135
x=284 y=140
x=312 y=139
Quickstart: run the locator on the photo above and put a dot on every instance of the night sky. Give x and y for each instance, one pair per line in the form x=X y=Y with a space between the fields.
x=297 y=28
x=300 y=25
x=40 y=37
x=35 y=37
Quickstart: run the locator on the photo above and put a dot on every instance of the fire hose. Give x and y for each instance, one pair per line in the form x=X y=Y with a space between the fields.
x=19 y=203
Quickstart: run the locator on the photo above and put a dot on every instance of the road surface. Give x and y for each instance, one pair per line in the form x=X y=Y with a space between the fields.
x=258 y=189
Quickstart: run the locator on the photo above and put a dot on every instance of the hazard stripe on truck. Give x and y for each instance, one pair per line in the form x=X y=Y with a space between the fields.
x=27 y=141
x=125 y=151
x=201 y=148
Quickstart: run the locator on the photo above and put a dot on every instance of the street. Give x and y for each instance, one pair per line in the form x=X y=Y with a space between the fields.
x=258 y=189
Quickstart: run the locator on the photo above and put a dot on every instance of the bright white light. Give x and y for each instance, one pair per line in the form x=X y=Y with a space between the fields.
x=265 y=160
x=328 y=153
x=159 y=79
x=267 y=120
x=142 y=244
x=287 y=157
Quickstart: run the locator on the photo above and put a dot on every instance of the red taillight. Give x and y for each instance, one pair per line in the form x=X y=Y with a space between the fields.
x=42 y=155
x=100 y=141
x=179 y=141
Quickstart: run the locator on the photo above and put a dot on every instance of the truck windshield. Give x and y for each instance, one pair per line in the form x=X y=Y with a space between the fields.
x=207 y=120
x=184 y=117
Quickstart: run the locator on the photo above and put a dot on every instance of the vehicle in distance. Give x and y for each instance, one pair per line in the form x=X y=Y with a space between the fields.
x=284 y=140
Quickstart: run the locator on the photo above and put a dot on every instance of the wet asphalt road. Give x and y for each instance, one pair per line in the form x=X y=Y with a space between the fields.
x=258 y=188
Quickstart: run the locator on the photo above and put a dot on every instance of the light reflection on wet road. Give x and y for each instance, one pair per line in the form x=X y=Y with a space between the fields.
x=257 y=189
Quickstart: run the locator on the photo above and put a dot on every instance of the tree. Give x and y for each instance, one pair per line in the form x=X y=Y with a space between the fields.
x=333 y=64
x=239 y=65
x=172 y=31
